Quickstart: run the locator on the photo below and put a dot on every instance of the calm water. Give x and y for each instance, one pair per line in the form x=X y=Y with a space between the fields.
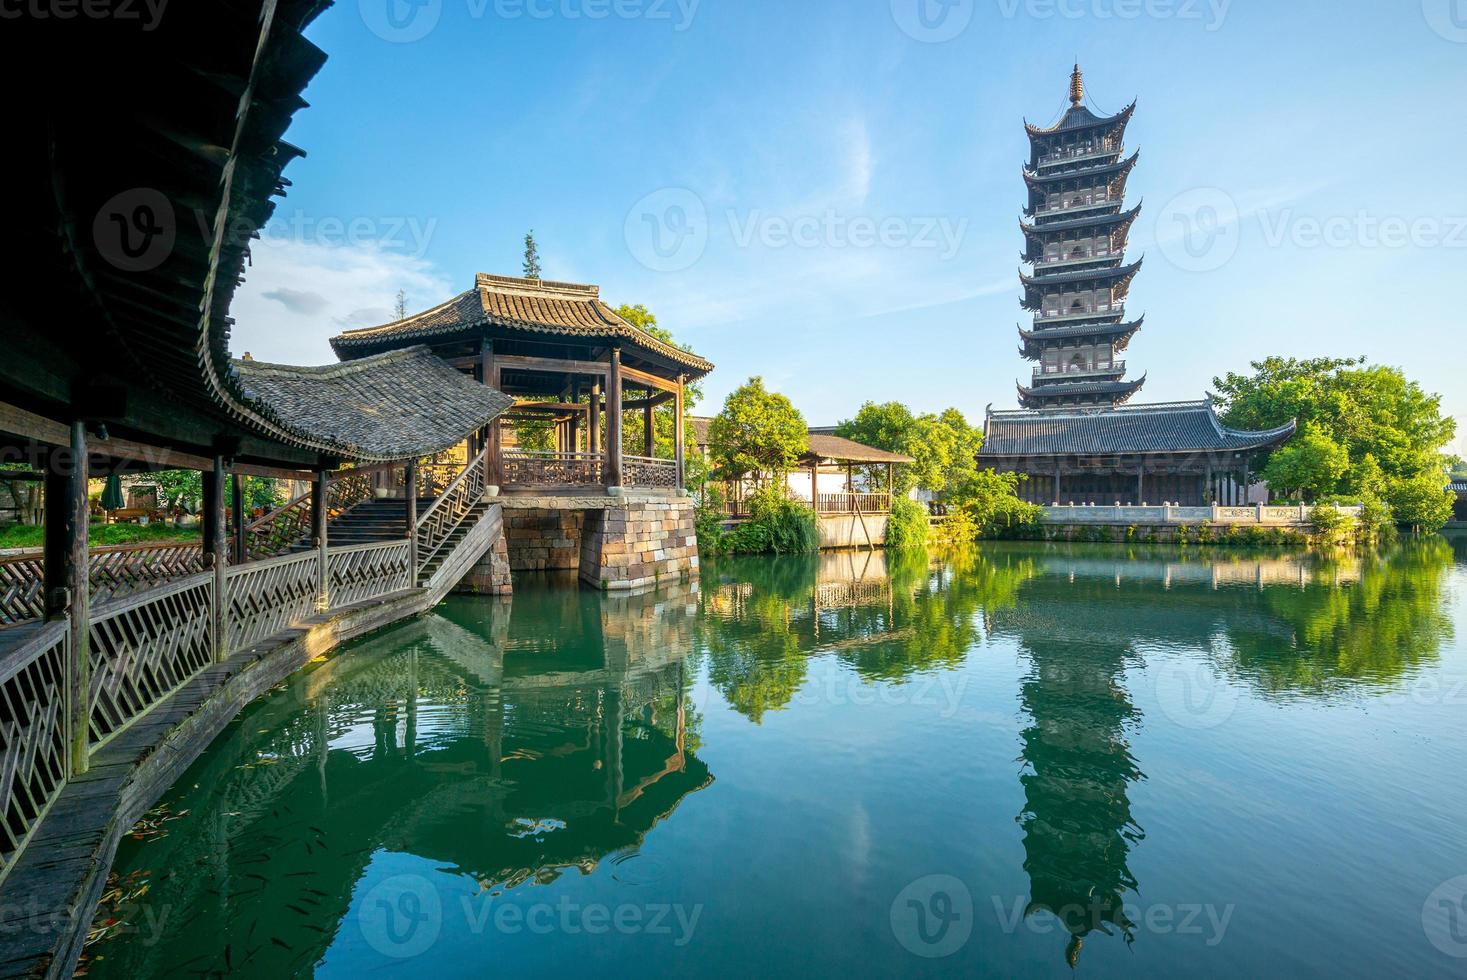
x=1140 y=763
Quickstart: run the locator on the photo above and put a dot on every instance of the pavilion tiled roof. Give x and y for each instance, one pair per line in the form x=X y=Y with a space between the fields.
x=1458 y=486
x=829 y=446
x=385 y=407
x=511 y=303
x=1177 y=427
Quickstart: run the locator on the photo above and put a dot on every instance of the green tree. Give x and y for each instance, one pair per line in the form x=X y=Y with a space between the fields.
x=943 y=445
x=532 y=256
x=1422 y=501
x=758 y=432
x=1368 y=410
x=1311 y=463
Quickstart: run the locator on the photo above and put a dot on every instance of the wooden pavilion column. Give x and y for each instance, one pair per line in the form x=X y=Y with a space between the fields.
x=593 y=425
x=890 y=485
x=237 y=515
x=216 y=550
x=1140 y=484
x=1246 y=475
x=489 y=374
x=319 y=515
x=66 y=579
x=815 y=484
x=410 y=469
x=679 y=437
x=1058 y=501
x=613 y=421
x=649 y=435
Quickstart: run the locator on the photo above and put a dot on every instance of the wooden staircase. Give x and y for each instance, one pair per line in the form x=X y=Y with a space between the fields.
x=428 y=565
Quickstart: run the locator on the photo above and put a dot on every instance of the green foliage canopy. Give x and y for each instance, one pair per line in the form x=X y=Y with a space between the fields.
x=759 y=431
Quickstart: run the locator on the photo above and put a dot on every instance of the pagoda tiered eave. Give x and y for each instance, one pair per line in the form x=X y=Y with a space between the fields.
x=1038 y=340
x=1119 y=168
x=1079 y=393
x=1079 y=118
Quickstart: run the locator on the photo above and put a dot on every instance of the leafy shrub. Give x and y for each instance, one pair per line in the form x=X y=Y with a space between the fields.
x=907 y=525
x=957 y=530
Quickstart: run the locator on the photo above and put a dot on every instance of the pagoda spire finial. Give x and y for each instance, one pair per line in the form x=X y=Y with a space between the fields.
x=1077 y=86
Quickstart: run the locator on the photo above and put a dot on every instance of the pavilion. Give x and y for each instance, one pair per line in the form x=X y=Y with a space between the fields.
x=570 y=363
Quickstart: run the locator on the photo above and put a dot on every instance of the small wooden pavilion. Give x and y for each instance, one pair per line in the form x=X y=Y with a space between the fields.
x=572 y=365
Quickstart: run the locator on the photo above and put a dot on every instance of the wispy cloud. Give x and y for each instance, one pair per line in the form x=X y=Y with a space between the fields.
x=298 y=294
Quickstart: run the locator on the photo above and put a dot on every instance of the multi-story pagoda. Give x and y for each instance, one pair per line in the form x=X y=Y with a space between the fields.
x=1076 y=440
x=1075 y=240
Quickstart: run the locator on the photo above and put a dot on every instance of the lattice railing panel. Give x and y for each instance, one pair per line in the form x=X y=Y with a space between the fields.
x=269 y=596
x=115 y=572
x=146 y=647
x=367 y=572
x=644 y=471
x=33 y=750
x=119 y=572
x=449 y=510
x=520 y=468
x=22 y=595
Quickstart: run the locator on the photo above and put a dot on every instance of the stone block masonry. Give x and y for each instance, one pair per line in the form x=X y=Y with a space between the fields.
x=615 y=543
x=544 y=538
x=639 y=543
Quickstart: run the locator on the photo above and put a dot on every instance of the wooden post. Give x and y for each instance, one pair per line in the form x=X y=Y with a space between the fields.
x=237 y=512
x=679 y=437
x=613 y=421
x=1246 y=475
x=319 y=516
x=649 y=436
x=593 y=434
x=1140 y=484
x=411 y=468
x=216 y=547
x=489 y=372
x=1057 y=485
x=66 y=580
x=815 y=484
x=890 y=486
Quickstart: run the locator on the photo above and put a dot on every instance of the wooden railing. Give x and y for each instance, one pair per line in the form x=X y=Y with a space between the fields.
x=851 y=503
x=114 y=572
x=646 y=471
x=525 y=468
x=145 y=647
x=288 y=525
x=445 y=514
x=34 y=755
x=367 y=571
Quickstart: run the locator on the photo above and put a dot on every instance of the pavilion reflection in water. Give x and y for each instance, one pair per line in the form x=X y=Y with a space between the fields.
x=470 y=744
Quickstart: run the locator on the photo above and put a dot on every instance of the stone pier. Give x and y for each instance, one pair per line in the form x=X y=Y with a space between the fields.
x=613 y=542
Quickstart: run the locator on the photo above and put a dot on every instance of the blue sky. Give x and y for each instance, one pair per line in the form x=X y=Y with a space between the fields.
x=834 y=187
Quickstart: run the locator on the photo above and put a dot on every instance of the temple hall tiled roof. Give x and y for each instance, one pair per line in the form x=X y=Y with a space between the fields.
x=386 y=407
x=510 y=303
x=1458 y=486
x=1177 y=427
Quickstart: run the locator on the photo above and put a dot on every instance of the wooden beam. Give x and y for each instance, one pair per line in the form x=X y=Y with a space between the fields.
x=642 y=377
x=551 y=365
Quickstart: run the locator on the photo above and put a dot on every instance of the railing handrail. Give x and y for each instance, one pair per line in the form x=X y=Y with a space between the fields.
x=477 y=461
x=241 y=568
x=31 y=554
x=20 y=656
x=649 y=459
x=551 y=454
x=347 y=549
x=293 y=503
